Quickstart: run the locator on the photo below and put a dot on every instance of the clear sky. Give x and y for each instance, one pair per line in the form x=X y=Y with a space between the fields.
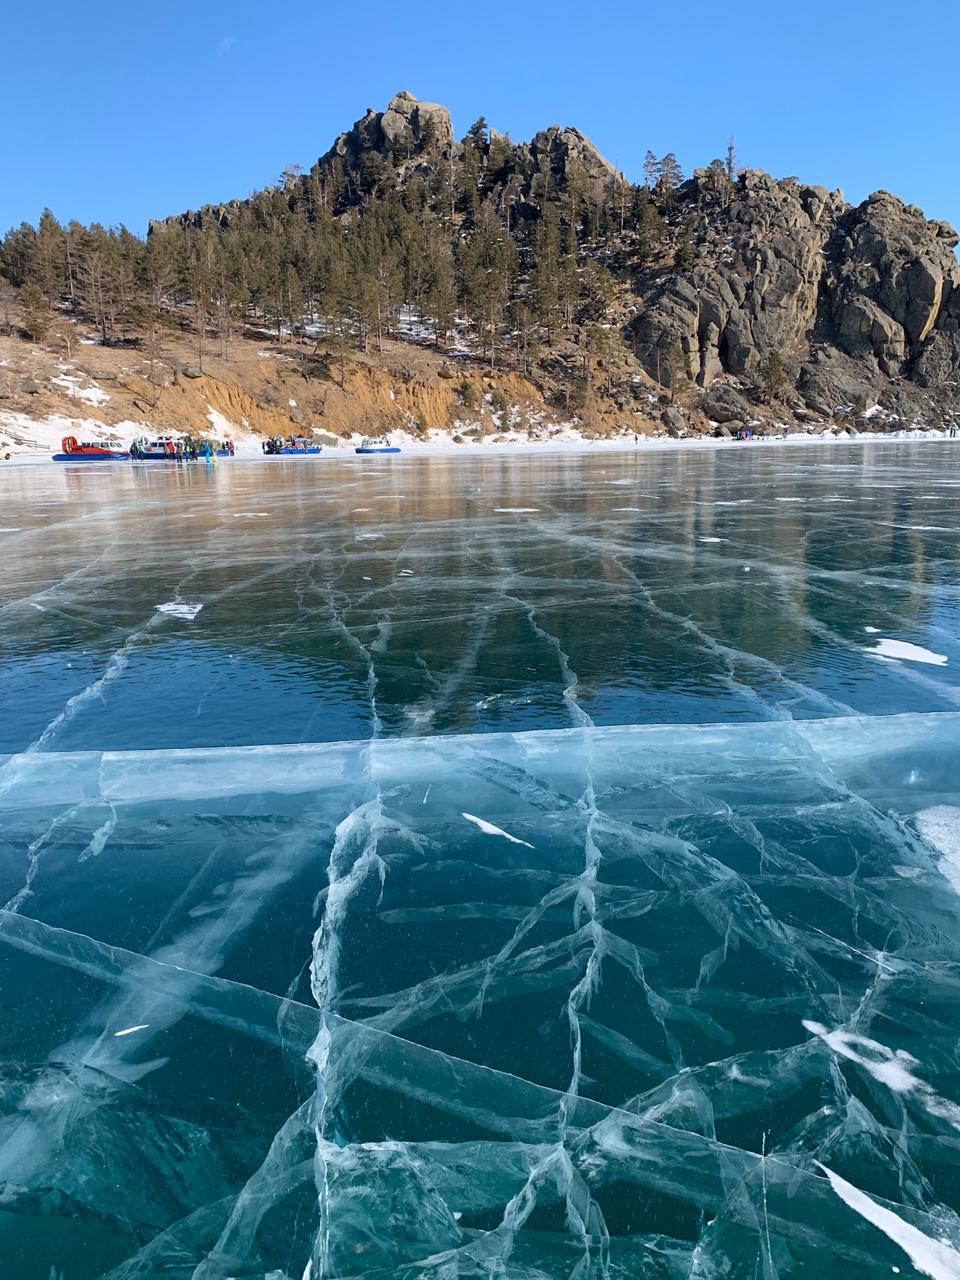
x=122 y=112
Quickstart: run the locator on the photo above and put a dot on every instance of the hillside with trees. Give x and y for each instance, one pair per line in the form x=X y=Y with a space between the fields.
x=531 y=272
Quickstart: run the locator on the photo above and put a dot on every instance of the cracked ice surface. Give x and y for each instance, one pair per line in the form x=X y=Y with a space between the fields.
x=371 y=1039
x=594 y=924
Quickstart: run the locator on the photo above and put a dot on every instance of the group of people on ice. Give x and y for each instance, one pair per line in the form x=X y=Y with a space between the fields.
x=186 y=449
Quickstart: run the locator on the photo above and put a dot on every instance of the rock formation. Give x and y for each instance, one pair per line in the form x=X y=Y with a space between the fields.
x=757 y=283
x=408 y=126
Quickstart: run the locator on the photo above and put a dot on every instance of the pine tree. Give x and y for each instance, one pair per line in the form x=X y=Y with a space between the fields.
x=731 y=159
x=569 y=282
x=648 y=223
x=772 y=376
x=486 y=262
x=37 y=315
x=545 y=285
x=478 y=134
x=651 y=170
x=669 y=174
x=48 y=267
x=93 y=271
x=439 y=289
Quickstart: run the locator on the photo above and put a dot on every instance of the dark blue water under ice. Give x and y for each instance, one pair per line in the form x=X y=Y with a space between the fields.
x=516 y=867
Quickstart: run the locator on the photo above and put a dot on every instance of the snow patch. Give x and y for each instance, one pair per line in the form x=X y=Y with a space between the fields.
x=940 y=827
x=221 y=424
x=935 y=1258
x=887 y=648
x=180 y=609
x=89 y=395
x=894 y=1068
x=489 y=829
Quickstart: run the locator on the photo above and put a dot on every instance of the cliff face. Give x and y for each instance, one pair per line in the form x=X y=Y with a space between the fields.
x=858 y=305
x=856 y=302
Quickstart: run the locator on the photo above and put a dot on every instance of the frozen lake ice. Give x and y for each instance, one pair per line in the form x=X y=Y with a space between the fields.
x=523 y=867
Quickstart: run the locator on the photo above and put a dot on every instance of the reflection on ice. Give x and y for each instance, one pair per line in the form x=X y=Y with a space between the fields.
x=680 y=1004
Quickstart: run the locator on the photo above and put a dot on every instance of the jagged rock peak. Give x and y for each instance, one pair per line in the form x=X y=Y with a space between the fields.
x=407 y=126
x=406 y=110
x=564 y=150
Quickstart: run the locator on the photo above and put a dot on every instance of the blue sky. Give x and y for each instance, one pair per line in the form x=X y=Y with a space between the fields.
x=120 y=112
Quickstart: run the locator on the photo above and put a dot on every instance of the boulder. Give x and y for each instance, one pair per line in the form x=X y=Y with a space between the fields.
x=191 y=371
x=31 y=387
x=724 y=403
x=675 y=422
x=831 y=380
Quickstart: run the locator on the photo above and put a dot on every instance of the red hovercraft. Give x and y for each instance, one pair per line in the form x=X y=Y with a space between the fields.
x=74 y=451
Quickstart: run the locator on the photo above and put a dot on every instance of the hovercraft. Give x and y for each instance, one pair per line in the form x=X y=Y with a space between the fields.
x=367 y=445
x=85 y=451
x=295 y=447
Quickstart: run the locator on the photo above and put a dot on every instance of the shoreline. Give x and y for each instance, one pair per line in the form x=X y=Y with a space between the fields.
x=247 y=451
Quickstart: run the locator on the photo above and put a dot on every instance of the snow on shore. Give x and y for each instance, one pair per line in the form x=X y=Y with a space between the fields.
x=24 y=439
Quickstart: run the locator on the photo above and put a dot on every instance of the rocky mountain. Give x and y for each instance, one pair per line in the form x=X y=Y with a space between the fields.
x=726 y=298
x=858 y=305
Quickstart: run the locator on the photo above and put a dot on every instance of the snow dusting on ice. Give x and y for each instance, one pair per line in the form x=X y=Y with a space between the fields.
x=935 y=1258
x=901 y=649
x=489 y=829
x=940 y=827
x=180 y=609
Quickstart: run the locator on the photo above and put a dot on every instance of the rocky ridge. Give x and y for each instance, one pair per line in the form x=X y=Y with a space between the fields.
x=759 y=301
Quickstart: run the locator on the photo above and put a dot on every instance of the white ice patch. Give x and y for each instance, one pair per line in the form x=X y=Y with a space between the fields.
x=940 y=827
x=872 y=631
x=489 y=829
x=222 y=425
x=711 y=539
x=180 y=609
x=10 y=529
x=886 y=648
x=935 y=1258
x=516 y=511
x=894 y=1068
x=128 y=1031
